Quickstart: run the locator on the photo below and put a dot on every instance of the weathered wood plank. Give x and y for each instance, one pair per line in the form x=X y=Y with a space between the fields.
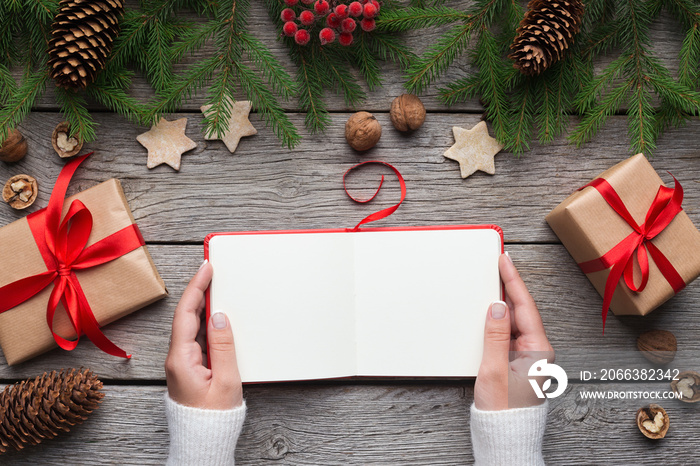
x=264 y=186
x=569 y=305
x=339 y=424
x=667 y=34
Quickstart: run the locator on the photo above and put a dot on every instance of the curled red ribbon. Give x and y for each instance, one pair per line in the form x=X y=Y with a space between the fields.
x=63 y=247
x=664 y=208
x=384 y=212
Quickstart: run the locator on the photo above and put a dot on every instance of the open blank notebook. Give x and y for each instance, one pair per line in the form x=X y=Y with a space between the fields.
x=389 y=302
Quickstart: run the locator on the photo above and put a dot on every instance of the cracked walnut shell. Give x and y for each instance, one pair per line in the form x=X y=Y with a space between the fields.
x=407 y=112
x=14 y=148
x=362 y=131
x=63 y=145
x=20 y=191
x=653 y=421
x=688 y=385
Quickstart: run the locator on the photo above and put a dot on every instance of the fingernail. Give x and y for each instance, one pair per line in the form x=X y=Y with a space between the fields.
x=509 y=258
x=498 y=310
x=203 y=264
x=218 y=320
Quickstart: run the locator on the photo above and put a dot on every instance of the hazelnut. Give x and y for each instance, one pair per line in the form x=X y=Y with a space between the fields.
x=14 y=148
x=20 y=191
x=653 y=421
x=688 y=385
x=63 y=145
x=407 y=112
x=658 y=346
x=362 y=131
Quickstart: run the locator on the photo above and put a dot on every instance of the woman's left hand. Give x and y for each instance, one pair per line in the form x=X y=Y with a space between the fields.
x=190 y=382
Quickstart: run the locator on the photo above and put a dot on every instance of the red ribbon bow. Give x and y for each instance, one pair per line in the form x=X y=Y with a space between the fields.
x=384 y=212
x=666 y=205
x=63 y=248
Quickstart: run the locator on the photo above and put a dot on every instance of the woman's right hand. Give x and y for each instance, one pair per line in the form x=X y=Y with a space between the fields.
x=513 y=325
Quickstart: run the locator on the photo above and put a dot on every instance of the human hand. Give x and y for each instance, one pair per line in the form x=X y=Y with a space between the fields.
x=515 y=326
x=190 y=382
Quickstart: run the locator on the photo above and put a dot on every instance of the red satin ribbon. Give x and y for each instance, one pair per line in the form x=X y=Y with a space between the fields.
x=384 y=212
x=666 y=205
x=63 y=247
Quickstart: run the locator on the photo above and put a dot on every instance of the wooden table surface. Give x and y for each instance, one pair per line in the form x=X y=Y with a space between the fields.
x=265 y=186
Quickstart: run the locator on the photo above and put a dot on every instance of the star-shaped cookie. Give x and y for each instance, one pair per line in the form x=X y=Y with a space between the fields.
x=166 y=142
x=238 y=125
x=474 y=149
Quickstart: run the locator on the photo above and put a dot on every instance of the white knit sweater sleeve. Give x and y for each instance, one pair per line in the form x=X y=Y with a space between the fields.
x=511 y=436
x=202 y=437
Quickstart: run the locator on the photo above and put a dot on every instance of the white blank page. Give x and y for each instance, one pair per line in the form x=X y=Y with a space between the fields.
x=422 y=299
x=289 y=298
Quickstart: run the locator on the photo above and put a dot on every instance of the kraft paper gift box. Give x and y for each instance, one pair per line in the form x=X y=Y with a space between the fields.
x=113 y=289
x=589 y=227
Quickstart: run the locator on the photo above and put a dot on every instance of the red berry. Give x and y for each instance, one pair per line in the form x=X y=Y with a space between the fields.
x=333 y=21
x=321 y=7
x=370 y=11
x=302 y=37
x=307 y=2
x=348 y=25
x=367 y=25
x=341 y=11
x=375 y=3
x=307 y=17
x=327 y=35
x=345 y=38
x=289 y=28
x=291 y=2
x=288 y=15
x=355 y=9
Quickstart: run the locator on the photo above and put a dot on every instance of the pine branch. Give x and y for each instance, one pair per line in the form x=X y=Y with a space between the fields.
x=388 y=47
x=264 y=101
x=523 y=120
x=426 y=3
x=338 y=76
x=495 y=78
x=460 y=90
x=451 y=45
x=408 y=19
x=73 y=107
x=276 y=76
x=112 y=94
x=687 y=13
x=330 y=66
x=158 y=58
x=310 y=92
x=20 y=102
x=182 y=88
x=8 y=86
x=367 y=63
x=426 y=69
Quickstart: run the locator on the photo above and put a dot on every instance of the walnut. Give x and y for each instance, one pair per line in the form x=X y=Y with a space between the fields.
x=362 y=131
x=658 y=346
x=63 y=145
x=687 y=384
x=14 y=148
x=20 y=191
x=407 y=112
x=653 y=421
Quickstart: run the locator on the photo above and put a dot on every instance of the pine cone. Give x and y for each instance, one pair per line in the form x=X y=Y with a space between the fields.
x=545 y=33
x=81 y=38
x=34 y=410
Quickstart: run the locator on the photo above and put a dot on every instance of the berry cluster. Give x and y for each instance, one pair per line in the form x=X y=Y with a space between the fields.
x=341 y=20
